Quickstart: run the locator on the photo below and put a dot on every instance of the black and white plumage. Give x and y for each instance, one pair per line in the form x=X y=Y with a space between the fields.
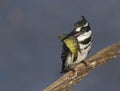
x=81 y=36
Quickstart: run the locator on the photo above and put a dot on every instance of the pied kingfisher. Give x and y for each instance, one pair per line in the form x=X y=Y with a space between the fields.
x=76 y=45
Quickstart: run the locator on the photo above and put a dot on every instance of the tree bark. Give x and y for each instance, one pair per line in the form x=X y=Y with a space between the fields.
x=71 y=78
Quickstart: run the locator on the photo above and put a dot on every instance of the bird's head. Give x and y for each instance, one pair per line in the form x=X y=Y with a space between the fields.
x=80 y=28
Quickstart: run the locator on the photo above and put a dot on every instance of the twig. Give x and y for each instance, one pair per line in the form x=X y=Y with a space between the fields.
x=71 y=78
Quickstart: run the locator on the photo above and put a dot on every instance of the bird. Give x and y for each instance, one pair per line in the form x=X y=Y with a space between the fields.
x=76 y=45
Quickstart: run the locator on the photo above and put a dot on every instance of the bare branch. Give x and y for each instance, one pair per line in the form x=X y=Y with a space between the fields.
x=71 y=78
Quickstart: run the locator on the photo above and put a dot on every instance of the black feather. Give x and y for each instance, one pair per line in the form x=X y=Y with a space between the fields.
x=86 y=41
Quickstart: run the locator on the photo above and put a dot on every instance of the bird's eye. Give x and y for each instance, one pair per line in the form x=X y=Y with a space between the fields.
x=86 y=24
x=83 y=29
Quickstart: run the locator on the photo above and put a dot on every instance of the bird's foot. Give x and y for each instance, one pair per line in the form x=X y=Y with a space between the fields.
x=87 y=64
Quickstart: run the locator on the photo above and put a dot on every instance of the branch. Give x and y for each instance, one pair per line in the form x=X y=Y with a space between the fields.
x=72 y=78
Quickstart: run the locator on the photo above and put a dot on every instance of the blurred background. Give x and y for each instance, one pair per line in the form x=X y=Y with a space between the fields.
x=30 y=49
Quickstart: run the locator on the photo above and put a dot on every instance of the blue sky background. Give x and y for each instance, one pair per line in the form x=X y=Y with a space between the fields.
x=30 y=49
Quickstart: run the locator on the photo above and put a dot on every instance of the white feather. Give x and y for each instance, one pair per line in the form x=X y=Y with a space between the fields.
x=86 y=24
x=84 y=36
x=81 y=56
x=82 y=46
x=78 y=29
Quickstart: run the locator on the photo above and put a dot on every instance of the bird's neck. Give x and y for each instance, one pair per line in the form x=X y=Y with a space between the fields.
x=84 y=36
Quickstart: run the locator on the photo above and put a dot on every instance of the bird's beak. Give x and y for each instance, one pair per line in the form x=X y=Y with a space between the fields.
x=70 y=34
